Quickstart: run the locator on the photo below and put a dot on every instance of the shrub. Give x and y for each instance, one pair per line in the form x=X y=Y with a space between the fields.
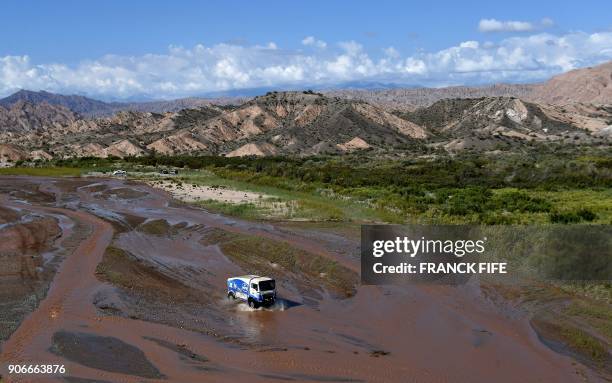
x=587 y=215
x=496 y=219
x=573 y=216
x=518 y=201
x=564 y=217
x=466 y=201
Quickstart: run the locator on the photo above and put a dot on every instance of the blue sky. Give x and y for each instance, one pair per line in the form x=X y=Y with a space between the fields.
x=155 y=49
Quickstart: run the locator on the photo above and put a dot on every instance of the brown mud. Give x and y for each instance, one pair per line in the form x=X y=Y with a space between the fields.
x=141 y=298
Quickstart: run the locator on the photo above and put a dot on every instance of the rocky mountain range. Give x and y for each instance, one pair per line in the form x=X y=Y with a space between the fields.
x=409 y=99
x=587 y=85
x=89 y=107
x=572 y=108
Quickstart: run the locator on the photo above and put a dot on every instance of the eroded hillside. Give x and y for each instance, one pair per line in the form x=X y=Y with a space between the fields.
x=307 y=123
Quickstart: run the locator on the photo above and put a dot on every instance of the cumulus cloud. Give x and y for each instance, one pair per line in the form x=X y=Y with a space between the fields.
x=311 y=41
x=494 y=25
x=391 y=52
x=200 y=69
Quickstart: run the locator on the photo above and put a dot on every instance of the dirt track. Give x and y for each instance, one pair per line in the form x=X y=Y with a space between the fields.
x=170 y=320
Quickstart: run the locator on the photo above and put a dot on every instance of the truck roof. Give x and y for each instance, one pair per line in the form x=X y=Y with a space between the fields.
x=254 y=278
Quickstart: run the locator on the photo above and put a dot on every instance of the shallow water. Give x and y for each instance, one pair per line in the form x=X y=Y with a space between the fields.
x=382 y=334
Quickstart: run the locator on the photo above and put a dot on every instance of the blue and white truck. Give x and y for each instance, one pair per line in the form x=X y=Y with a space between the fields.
x=253 y=289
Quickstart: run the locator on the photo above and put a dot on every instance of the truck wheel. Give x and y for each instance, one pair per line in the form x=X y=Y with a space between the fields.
x=253 y=304
x=231 y=296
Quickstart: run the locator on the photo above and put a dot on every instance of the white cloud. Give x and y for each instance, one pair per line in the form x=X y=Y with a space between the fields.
x=469 y=44
x=311 y=41
x=391 y=52
x=352 y=48
x=201 y=69
x=493 y=25
x=547 y=22
x=414 y=66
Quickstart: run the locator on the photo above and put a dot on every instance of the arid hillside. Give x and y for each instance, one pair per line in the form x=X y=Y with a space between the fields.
x=295 y=123
x=23 y=117
x=488 y=123
x=408 y=99
x=587 y=85
x=277 y=123
x=573 y=108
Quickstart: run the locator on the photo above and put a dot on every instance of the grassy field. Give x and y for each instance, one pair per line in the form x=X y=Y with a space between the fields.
x=284 y=203
x=293 y=199
x=545 y=184
x=320 y=202
x=597 y=315
x=42 y=171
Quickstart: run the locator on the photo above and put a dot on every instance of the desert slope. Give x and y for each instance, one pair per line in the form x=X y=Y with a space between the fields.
x=585 y=85
x=588 y=85
x=293 y=123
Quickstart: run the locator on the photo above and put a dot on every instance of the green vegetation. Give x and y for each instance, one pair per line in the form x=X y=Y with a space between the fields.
x=159 y=227
x=283 y=203
x=108 y=270
x=575 y=315
x=573 y=216
x=544 y=184
x=552 y=252
x=595 y=314
x=122 y=269
x=42 y=171
x=244 y=210
x=577 y=340
x=582 y=342
x=598 y=292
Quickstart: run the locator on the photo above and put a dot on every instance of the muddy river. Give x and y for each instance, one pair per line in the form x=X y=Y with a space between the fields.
x=117 y=282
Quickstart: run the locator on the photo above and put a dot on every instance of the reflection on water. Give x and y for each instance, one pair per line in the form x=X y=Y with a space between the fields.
x=257 y=325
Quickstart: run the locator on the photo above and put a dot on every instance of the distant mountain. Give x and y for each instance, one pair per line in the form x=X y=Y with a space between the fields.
x=587 y=85
x=78 y=104
x=301 y=123
x=412 y=98
x=178 y=104
x=23 y=117
x=88 y=107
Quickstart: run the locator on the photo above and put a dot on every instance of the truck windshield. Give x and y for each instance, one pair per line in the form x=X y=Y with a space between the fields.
x=266 y=285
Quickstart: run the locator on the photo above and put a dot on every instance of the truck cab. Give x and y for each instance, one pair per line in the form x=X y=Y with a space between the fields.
x=255 y=290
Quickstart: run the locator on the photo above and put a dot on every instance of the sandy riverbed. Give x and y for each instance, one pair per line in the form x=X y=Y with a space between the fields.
x=193 y=193
x=170 y=317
